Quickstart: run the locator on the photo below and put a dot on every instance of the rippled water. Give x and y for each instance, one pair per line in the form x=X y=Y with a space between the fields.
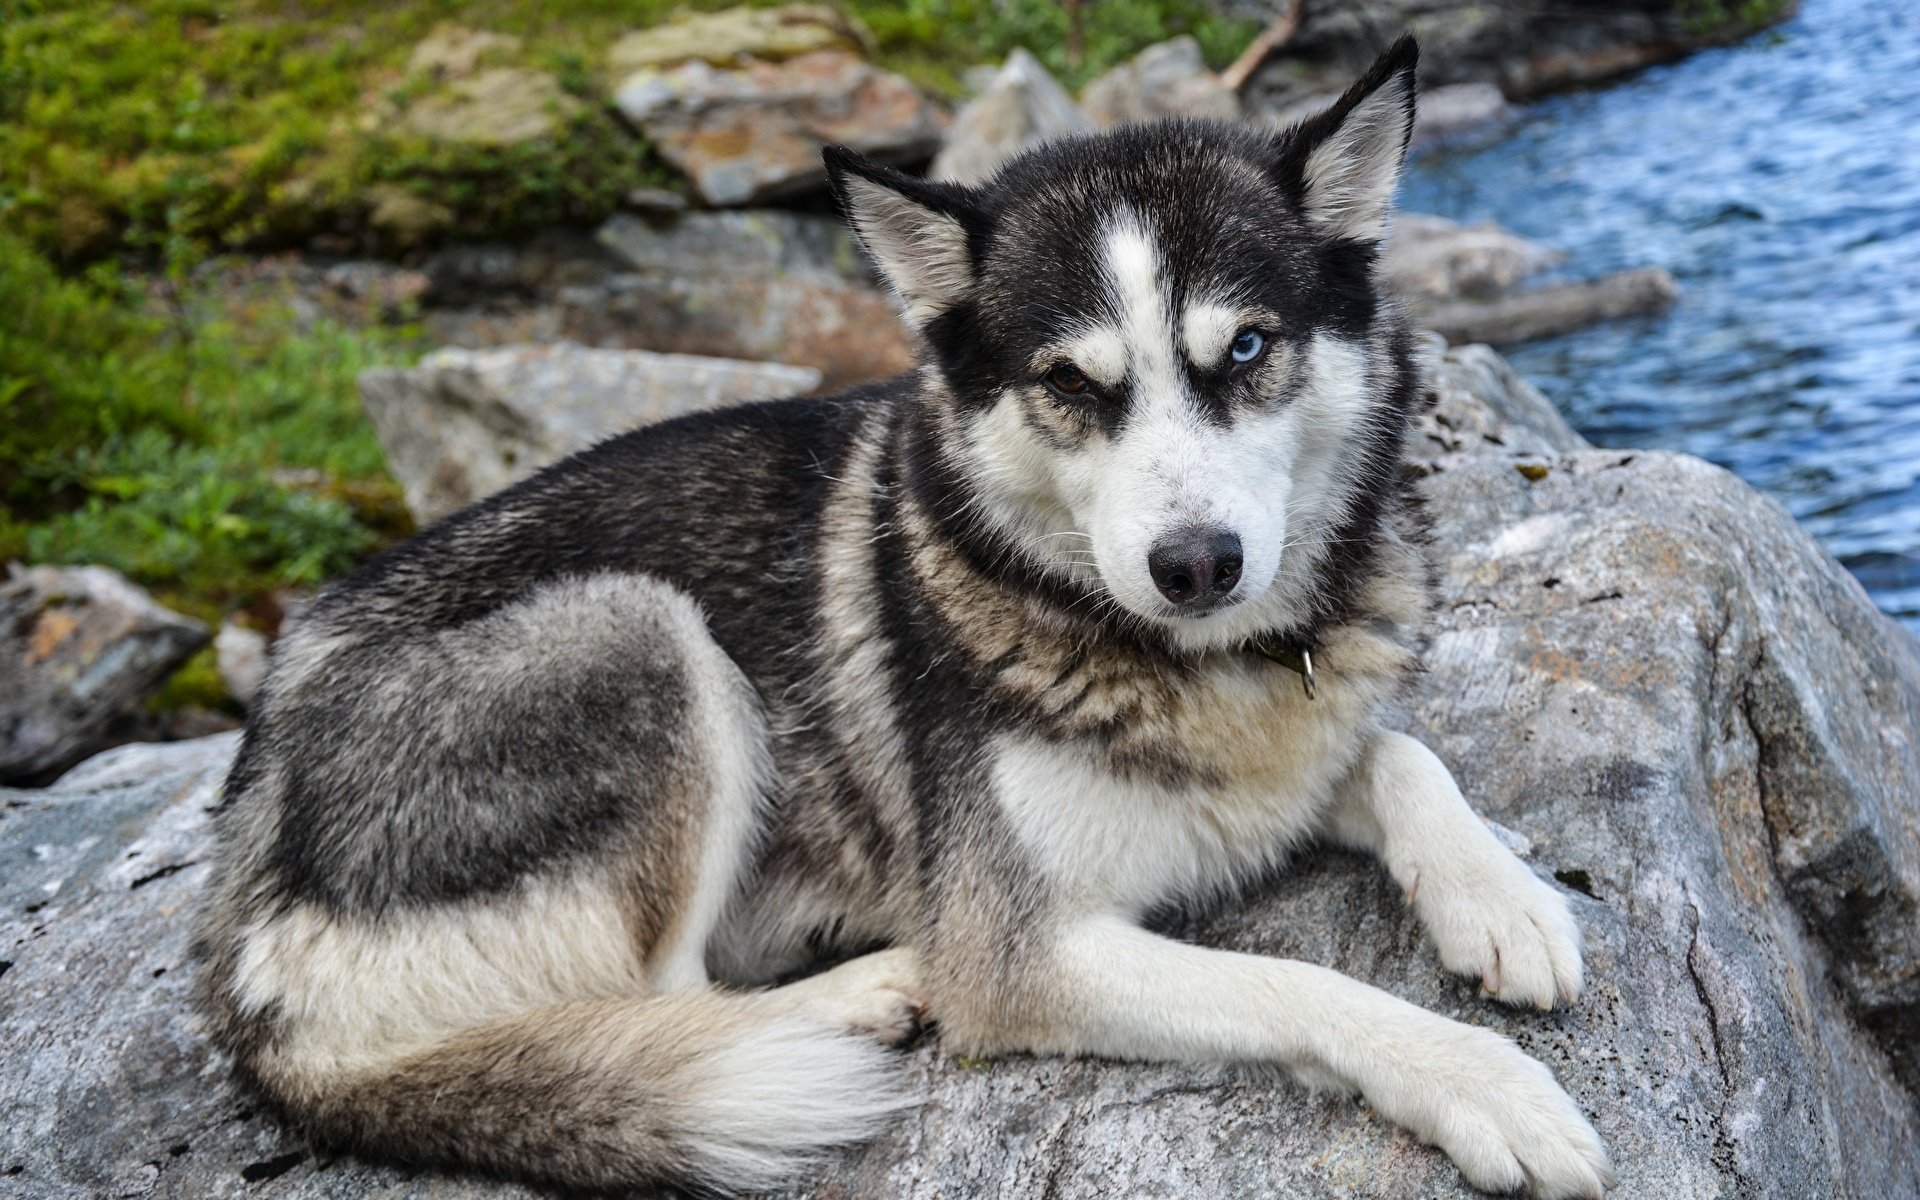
x=1779 y=180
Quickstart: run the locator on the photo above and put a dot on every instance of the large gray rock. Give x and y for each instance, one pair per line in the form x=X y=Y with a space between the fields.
x=465 y=423
x=1022 y=107
x=755 y=132
x=724 y=38
x=80 y=648
x=1680 y=707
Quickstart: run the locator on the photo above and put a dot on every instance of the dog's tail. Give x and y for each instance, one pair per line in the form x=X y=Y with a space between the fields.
x=722 y=1092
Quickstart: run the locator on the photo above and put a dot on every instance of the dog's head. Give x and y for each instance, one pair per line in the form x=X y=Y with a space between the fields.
x=1167 y=373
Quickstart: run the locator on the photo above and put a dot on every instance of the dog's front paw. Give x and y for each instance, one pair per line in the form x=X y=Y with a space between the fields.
x=1501 y=1118
x=1495 y=921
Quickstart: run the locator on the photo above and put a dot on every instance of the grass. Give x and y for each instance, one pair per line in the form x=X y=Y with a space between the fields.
x=210 y=448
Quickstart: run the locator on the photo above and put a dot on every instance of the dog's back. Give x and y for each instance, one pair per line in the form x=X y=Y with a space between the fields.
x=492 y=801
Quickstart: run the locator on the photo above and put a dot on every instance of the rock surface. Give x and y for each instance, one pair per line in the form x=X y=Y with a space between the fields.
x=80 y=648
x=1022 y=107
x=757 y=284
x=1688 y=714
x=500 y=106
x=1165 y=80
x=466 y=423
x=1539 y=312
x=1526 y=47
x=722 y=38
x=755 y=132
x=1463 y=282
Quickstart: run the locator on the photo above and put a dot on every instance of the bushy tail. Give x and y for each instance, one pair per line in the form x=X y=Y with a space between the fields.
x=717 y=1091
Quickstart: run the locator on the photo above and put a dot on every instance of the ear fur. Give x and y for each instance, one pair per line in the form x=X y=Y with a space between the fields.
x=1343 y=165
x=916 y=230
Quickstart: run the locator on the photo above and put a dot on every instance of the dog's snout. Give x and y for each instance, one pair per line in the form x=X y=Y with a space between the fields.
x=1196 y=567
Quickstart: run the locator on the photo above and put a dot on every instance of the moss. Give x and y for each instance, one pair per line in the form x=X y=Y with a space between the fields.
x=196 y=684
x=1724 y=20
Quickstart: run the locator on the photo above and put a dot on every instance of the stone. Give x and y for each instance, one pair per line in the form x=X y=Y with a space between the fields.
x=761 y=284
x=1554 y=309
x=1462 y=281
x=1165 y=80
x=1460 y=112
x=1022 y=108
x=757 y=284
x=452 y=51
x=500 y=106
x=80 y=648
x=1524 y=47
x=723 y=38
x=1431 y=258
x=1477 y=403
x=466 y=423
x=403 y=217
x=241 y=655
x=1679 y=707
x=755 y=132
x=655 y=200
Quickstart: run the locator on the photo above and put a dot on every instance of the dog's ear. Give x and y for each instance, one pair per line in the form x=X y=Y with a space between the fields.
x=1342 y=166
x=915 y=230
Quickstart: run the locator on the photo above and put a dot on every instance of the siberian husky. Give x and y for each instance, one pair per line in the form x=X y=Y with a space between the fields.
x=953 y=677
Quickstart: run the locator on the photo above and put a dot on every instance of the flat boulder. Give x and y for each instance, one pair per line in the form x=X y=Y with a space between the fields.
x=466 y=423
x=80 y=648
x=753 y=132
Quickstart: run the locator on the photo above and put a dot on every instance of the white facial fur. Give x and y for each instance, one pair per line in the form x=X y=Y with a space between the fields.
x=1272 y=475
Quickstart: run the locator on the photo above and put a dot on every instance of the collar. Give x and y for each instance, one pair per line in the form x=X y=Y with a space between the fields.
x=1295 y=656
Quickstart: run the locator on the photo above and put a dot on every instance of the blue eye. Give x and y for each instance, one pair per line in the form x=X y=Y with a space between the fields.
x=1248 y=345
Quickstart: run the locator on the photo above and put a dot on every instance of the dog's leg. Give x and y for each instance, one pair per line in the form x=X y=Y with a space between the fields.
x=878 y=994
x=1490 y=916
x=1105 y=987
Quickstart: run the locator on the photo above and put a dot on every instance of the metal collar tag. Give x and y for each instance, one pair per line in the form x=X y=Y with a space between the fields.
x=1291 y=655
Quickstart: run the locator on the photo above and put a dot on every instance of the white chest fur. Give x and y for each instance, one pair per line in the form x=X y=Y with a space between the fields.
x=1124 y=841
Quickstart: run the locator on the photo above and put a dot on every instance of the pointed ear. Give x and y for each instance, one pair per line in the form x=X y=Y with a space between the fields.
x=1343 y=165
x=915 y=230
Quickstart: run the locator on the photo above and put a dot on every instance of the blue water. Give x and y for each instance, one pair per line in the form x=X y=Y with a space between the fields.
x=1779 y=180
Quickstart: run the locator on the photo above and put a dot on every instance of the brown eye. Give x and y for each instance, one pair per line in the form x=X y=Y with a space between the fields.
x=1067 y=379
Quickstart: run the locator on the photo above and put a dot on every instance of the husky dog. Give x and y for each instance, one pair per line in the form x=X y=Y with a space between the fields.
x=960 y=675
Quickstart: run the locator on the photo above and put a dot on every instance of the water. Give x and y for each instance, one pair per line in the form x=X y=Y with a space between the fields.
x=1779 y=180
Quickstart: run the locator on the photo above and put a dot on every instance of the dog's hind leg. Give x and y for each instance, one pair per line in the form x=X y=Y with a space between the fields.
x=468 y=882
x=1490 y=916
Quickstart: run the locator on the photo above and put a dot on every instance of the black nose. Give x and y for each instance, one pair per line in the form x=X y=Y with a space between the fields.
x=1196 y=567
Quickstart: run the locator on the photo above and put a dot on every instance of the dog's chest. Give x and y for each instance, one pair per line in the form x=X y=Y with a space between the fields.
x=1195 y=792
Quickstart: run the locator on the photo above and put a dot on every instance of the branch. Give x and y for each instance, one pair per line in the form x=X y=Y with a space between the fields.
x=1260 y=49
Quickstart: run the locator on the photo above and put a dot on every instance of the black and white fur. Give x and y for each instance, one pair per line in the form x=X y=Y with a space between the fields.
x=949 y=673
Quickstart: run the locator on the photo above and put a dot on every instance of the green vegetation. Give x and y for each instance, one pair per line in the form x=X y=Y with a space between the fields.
x=209 y=446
